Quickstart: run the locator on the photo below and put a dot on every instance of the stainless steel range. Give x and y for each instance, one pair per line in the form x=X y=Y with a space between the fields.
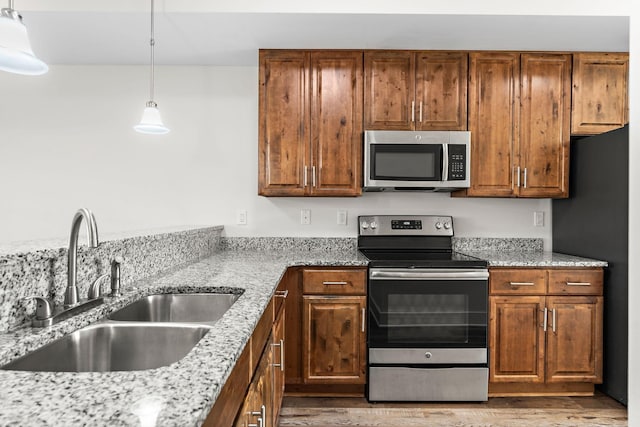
x=427 y=305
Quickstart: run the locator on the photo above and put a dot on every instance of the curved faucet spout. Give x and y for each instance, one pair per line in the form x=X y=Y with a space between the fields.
x=71 y=294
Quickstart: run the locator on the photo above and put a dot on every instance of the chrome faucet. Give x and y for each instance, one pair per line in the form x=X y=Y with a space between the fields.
x=71 y=294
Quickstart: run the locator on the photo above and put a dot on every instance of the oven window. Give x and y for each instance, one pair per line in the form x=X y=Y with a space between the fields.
x=408 y=314
x=407 y=162
x=441 y=318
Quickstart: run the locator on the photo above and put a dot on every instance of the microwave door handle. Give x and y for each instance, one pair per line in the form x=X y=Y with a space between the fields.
x=445 y=161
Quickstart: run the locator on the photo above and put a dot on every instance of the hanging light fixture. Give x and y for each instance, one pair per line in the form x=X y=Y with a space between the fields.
x=16 y=55
x=151 y=121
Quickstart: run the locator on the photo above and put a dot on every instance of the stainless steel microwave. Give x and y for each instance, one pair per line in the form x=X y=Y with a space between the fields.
x=424 y=160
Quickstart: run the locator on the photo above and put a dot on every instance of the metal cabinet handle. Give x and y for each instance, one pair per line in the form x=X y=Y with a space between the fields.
x=335 y=283
x=304 y=178
x=578 y=283
x=262 y=415
x=282 y=294
x=522 y=283
x=313 y=176
x=363 y=317
x=413 y=111
x=525 y=177
x=545 y=319
x=281 y=364
x=518 y=177
x=553 y=320
x=420 y=111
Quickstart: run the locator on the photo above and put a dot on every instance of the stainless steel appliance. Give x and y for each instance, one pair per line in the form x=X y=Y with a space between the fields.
x=424 y=160
x=427 y=312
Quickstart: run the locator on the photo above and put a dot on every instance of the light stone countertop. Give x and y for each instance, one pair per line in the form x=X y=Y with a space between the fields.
x=533 y=259
x=188 y=388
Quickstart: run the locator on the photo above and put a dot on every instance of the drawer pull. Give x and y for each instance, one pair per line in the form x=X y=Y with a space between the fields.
x=578 y=283
x=282 y=294
x=522 y=283
x=335 y=283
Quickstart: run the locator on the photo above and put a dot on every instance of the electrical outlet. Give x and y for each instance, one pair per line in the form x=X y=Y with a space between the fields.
x=342 y=217
x=538 y=219
x=241 y=217
x=305 y=216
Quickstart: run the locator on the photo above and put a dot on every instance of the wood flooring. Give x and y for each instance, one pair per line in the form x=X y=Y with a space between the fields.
x=599 y=410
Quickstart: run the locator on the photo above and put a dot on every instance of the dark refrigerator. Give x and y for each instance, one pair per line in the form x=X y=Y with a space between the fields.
x=593 y=222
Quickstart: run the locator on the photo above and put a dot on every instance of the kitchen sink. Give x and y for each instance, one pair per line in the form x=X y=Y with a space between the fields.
x=113 y=346
x=198 y=308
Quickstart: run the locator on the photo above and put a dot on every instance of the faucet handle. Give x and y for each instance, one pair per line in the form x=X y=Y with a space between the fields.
x=94 y=290
x=44 y=307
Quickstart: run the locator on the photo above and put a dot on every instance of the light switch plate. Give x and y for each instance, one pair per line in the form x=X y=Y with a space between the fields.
x=538 y=219
x=342 y=217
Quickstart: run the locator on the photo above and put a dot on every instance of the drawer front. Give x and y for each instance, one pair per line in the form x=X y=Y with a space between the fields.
x=334 y=282
x=576 y=282
x=517 y=281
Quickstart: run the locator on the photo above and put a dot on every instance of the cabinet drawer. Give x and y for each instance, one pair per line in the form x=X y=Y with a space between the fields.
x=334 y=282
x=517 y=281
x=575 y=282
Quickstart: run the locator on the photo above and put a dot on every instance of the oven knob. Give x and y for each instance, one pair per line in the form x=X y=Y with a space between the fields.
x=438 y=225
x=374 y=225
x=447 y=226
x=428 y=355
x=364 y=225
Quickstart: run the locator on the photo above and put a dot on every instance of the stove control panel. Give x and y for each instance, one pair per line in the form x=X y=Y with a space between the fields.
x=409 y=225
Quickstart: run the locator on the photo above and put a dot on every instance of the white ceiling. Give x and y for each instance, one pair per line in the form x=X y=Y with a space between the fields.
x=197 y=38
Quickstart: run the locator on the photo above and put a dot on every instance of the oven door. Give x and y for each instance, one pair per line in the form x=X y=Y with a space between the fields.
x=428 y=308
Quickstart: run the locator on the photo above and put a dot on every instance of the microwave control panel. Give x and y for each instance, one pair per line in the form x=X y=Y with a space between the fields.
x=457 y=162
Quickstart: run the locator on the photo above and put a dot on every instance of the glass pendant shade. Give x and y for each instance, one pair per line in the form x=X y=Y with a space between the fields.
x=151 y=122
x=16 y=55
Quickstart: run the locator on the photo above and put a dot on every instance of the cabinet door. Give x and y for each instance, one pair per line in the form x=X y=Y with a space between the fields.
x=278 y=356
x=441 y=90
x=283 y=147
x=494 y=99
x=545 y=125
x=600 y=94
x=516 y=339
x=389 y=95
x=574 y=339
x=334 y=345
x=336 y=123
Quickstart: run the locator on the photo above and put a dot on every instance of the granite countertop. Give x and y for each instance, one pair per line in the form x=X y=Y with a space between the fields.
x=533 y=259
x=188 y=388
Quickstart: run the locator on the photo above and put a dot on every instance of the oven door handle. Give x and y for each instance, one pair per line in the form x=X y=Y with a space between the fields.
x=429 y=274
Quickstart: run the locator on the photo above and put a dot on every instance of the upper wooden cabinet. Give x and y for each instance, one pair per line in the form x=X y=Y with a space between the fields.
x=519 y=118
x=310 y=123
x=600 y=95
x=415 y=90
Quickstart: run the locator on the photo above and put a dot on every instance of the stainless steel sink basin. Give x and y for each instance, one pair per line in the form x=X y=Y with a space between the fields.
x=121 y=346
x=199 y=308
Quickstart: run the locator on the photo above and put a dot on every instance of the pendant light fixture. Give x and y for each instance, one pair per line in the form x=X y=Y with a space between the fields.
x=16 y=55
x=151 y=122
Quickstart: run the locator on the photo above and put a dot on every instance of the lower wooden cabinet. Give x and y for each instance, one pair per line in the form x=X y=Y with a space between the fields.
x=545 y=337
x=252 y=395
x=326 y=331
x=334 y=344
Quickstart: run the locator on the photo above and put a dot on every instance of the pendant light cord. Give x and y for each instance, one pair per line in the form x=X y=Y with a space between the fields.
x=152 y=42
x=11 y=4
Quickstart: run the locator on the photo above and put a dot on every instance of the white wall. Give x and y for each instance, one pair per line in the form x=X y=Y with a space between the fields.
x=68 y=142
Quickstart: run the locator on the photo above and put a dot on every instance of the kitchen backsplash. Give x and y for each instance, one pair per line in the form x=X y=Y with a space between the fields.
x=44 y=272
